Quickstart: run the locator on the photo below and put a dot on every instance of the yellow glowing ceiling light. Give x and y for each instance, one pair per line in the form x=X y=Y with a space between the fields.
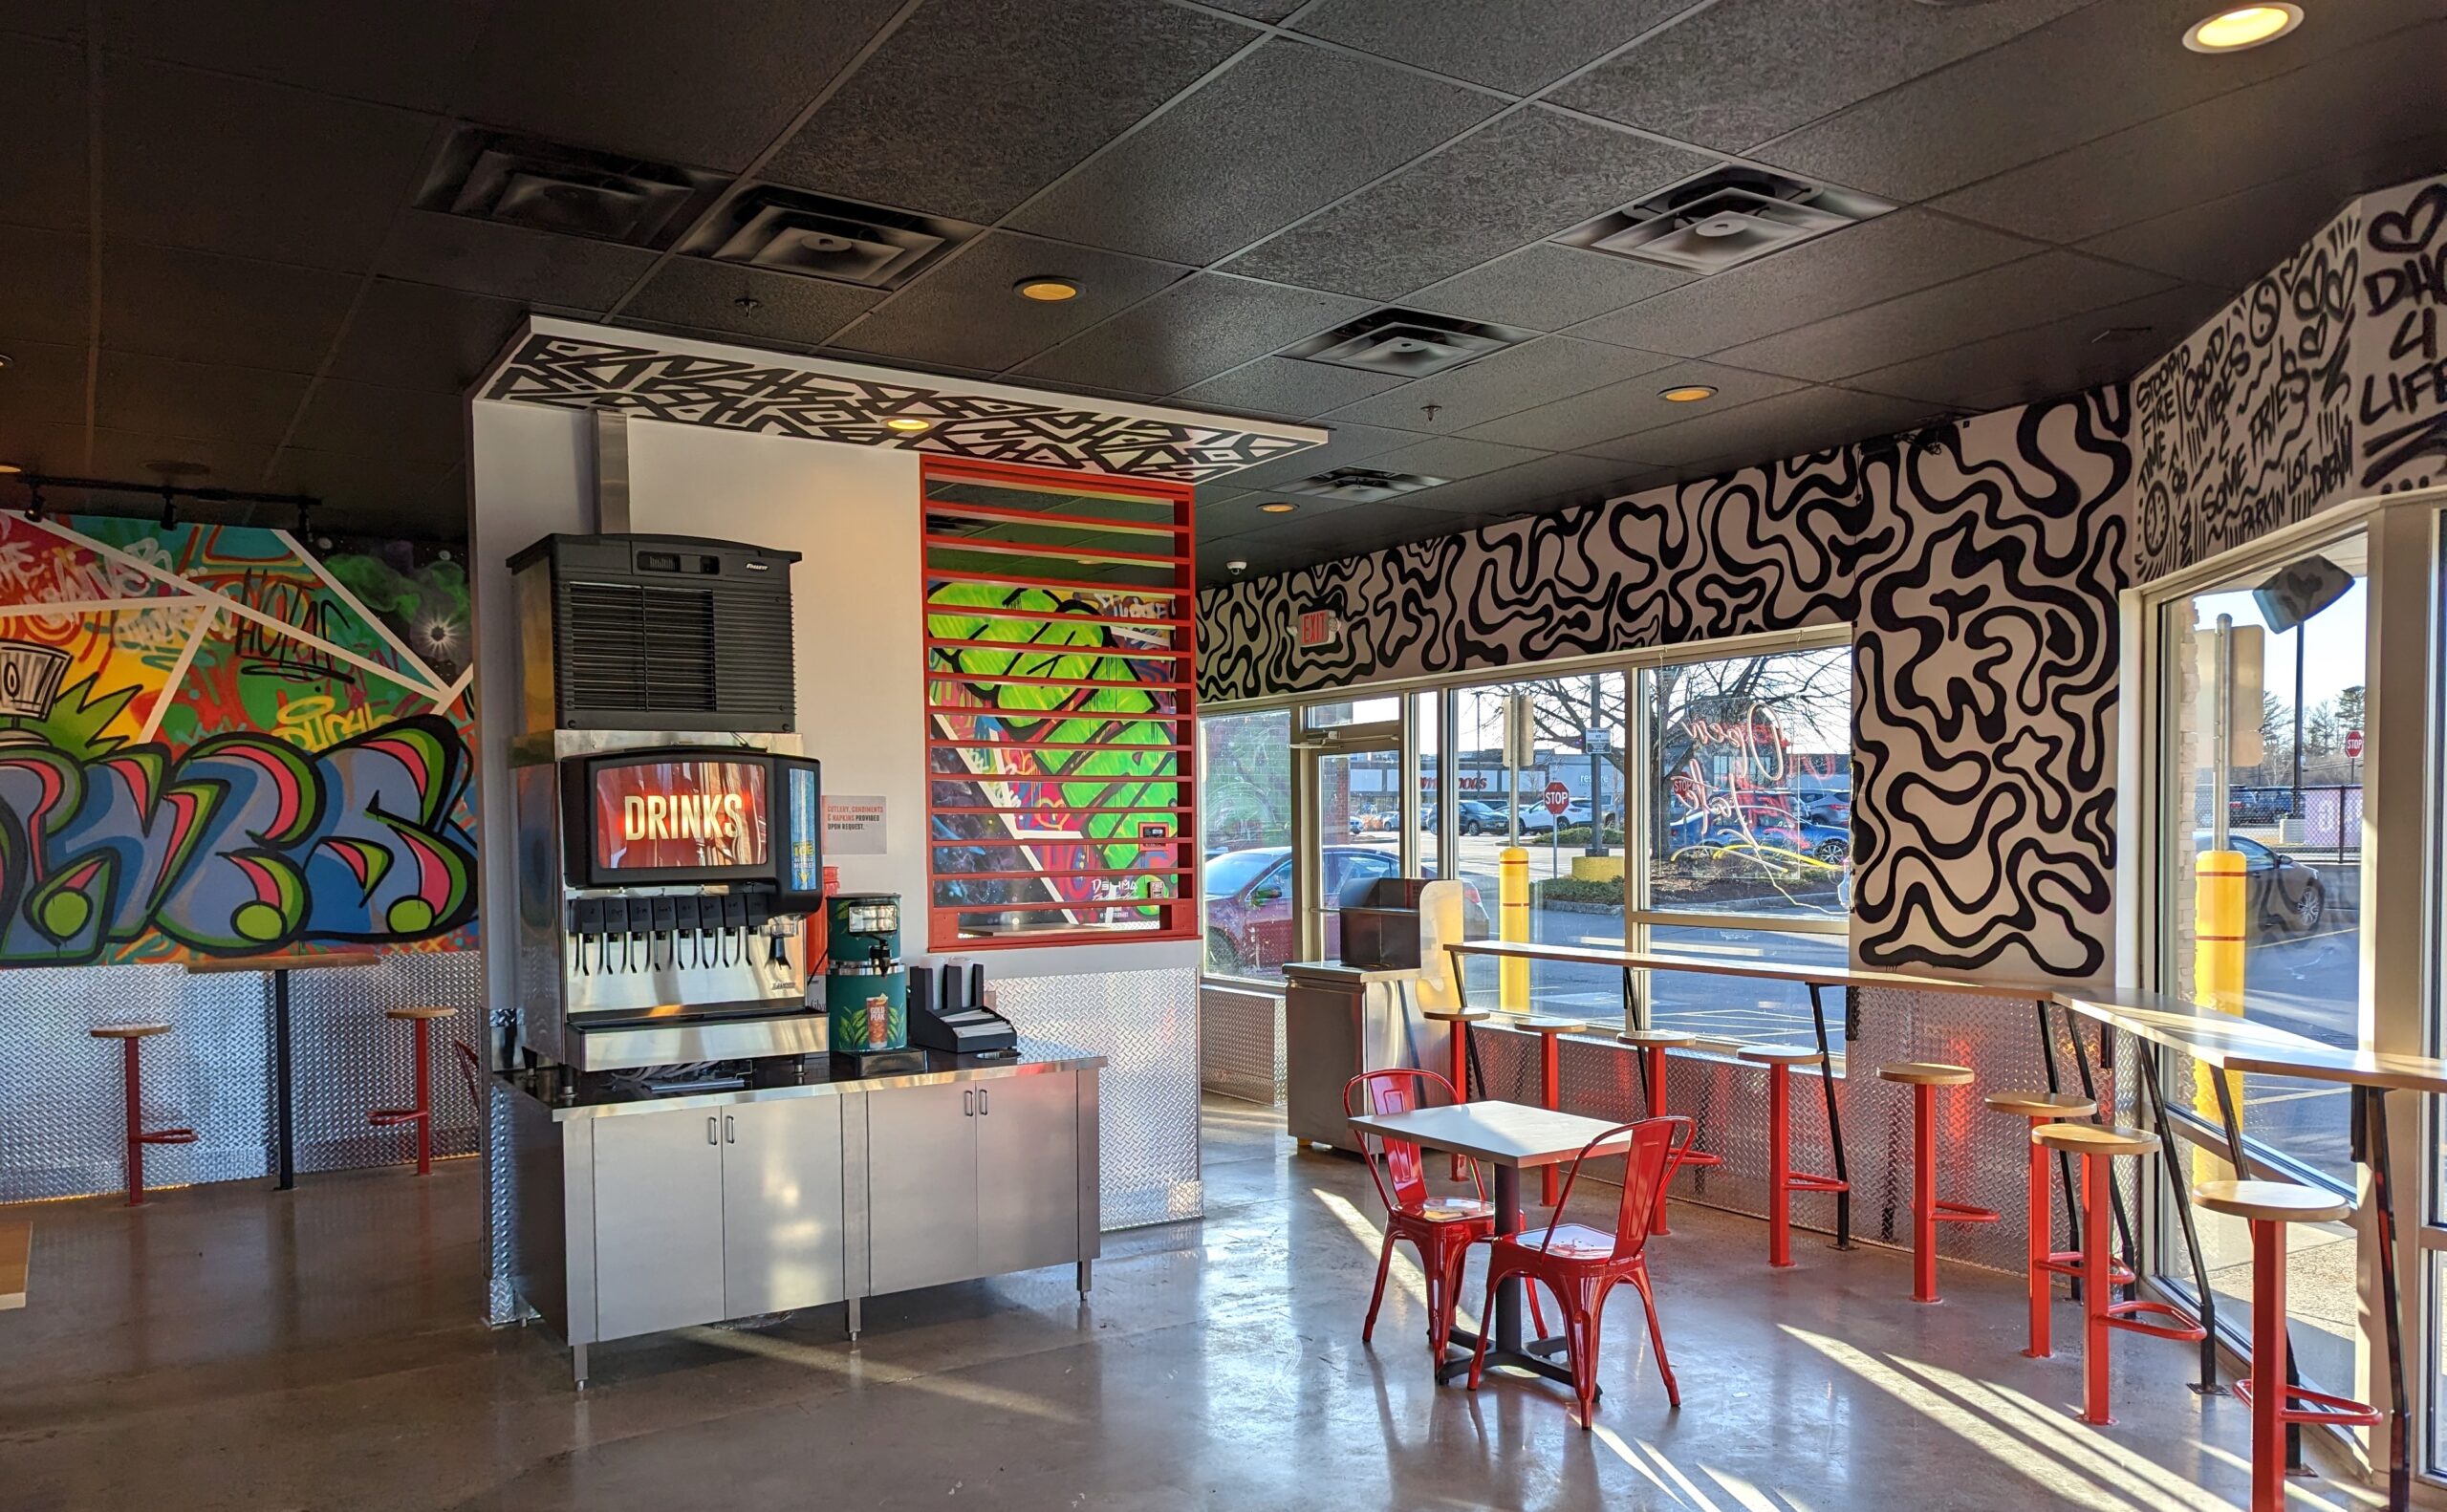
x=9 y=468
x=1686 y=394
x=908 y=423
x=1277 y=506
x=1047 y=290
x=2244 y=26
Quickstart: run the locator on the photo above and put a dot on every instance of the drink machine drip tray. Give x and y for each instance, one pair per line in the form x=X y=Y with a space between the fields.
x=697 y=1036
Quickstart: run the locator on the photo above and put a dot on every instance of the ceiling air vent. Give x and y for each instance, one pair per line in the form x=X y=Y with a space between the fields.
x=1406 y=343
x=1723 y=218
x=790 y=231
x=545 y=186
x=1361 y=485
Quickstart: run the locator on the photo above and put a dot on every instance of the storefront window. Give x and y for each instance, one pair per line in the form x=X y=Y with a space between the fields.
x=1247 y=880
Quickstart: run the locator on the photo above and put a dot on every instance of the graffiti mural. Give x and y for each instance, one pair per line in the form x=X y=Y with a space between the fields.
x=217 y=741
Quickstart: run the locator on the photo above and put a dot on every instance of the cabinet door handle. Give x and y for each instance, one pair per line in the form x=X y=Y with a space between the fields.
x=983 y=1106
x=709 y=1130
x=968 y=1102
x=730 y=1130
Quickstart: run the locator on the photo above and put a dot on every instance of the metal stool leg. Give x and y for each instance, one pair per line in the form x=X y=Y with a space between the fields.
x=1924 y=1194
x=1655 y=1059
x=134 y=1085
x=1549 y=1090
x=424 y=1097
x=2042 y=1244
x=2268 y=1367
x=1780 y=1239
x=2097 y=1287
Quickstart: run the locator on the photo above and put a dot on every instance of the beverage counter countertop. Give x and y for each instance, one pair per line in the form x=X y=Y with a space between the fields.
x=1035 y=1058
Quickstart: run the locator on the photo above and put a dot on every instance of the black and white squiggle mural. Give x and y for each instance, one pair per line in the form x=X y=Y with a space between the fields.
x=2401 y=393
x=1981 y=575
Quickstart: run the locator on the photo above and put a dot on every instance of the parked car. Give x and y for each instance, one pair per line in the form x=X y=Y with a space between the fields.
x=1831 y=842
x=1477 y=816
x=1248 y=901
x=2259 y=805
x=2282 y=894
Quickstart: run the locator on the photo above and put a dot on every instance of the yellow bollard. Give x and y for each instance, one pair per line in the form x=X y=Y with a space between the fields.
x=2221 y=927
x=1512 y=922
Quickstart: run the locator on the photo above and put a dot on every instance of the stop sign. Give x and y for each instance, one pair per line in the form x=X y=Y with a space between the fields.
x=1558 y=797
x=2354 y=744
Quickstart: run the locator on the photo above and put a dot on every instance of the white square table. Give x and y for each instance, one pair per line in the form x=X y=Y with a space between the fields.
x=1512 y=1138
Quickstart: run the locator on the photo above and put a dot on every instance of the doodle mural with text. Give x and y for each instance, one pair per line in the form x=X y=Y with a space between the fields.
x=220 y=741
x=2403 y=404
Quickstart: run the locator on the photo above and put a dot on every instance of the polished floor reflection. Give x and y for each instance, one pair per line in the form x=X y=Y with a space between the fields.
x=230 y=1348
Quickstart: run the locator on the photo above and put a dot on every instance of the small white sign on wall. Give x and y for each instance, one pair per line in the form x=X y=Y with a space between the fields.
x=852 y=825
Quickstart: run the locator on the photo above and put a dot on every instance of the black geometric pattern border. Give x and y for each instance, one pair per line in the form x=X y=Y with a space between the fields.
x=730 y=394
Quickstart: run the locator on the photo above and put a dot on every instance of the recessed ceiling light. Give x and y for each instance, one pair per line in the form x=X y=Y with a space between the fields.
x=1686 y=394
x=1277 y=506
x=908 y=423
x=1236 y=567
x=1048 y=290
x=3 y=359
x=9 y=469
x=2244 y=26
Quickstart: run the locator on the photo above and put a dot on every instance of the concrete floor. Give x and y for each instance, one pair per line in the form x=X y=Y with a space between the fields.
x=227 y=1348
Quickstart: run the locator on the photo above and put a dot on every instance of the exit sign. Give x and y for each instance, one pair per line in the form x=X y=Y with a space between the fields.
x=1319 y=627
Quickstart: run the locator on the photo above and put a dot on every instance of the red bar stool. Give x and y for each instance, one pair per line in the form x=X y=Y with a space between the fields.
x=1458 y=1022
x=129 y=1036
x=1783 y=1180
x=1928 y=1209
x=2269 y=1206
x=1550 y=1080
x=2045 y=1259
x=420 y=1020
x=2098 y=1145
x=1651 y=1044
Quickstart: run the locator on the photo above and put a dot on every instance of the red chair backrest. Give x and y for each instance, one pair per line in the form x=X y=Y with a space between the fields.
x=1399 y=1170
x=1657 y=1146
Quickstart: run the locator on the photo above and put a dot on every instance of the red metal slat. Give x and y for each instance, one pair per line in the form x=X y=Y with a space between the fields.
x=948 y=743
x=957 y=675
x=1070 y=808
x=1078 y=553
x=947 y=574
x=1055 y=648
x=1055 y=876
x=1054 y=480
x=1052 y=615
x=997 y=841
x=1084 y=522
x=1074 y=906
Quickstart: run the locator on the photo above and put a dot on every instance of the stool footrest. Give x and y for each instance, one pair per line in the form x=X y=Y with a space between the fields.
x=1950 y=1212
x=1697 y=1158
x=2068 y=1262
x=1805 y=1182
x=387 y=1117
x=166 y=1136
x=2129 y=1315
x=2342 y=1411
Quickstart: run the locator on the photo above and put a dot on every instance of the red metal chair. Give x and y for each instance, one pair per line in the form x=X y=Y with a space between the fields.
x=1582 y=1266
x=1442 y=1229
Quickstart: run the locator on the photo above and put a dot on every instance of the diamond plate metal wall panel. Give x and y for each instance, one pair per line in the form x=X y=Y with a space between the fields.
x=1241 y=1043
x=349 y=1057
x=62 y=1109
x=1145 y=1024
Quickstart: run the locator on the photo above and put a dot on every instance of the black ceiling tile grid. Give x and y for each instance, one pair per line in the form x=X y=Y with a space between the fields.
x=1528 y=173
x=124 y=456
x=1241 y=518
x=204 y=306
x=1287 y=129
x=2096 y=71
x=1288 y=387
x=46 y=283
x=964 y=312
x=1190 y=331
x=1502 y=383
x=1347 y=446
x=409 y=55
x=2010 y=297
x=1452 y=458
x=1538 y=477
x=511 y=262
x=419 y=336
x=973 y=105
x=281 y=173
x=42 y=172
x=1587 y=421
x=705 y=295
x=43 y=384
x=1742 y=72
x=161 y=397
x=1780 y=426
x=634 y=76
x=1519 y=49
x=1845 y=269
x=416 y=425
x=1545 y=286
x=2229 y=142
x=44 y=445
x=2059 y=357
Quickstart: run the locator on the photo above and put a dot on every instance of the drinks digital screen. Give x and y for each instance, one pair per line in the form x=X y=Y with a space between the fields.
x=686 y=814
x=806 y=870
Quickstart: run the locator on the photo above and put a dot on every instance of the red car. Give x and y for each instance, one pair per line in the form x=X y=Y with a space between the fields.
x=1248 y=902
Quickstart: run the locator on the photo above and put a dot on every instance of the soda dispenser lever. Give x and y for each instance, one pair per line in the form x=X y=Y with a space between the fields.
x=665 y=914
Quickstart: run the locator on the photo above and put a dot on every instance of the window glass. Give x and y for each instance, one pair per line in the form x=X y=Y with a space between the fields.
x=1427 y=734
x=1245 y=806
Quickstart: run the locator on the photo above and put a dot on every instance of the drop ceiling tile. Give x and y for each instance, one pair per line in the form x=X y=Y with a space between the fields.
x=408 y=54
x=41 y=445
x=1771 y=429
x=2234 y=142
x=1260 y=9
x=415 y=425
x=2098 y=70
x=42 y=172
x=632 y=76
x=973 y=105
x=1516 y=47
x=44 y=276
x=1452 y=458
x=1618 y=409
x=1515 y=490
x=1285 y=130
x=416 y=336
x=1193 y=330
x=43 y=19
x=2059 y=357
x=202 y=307
x=1545 y=286
x=377 y=485
x=1529 y=174
x=1358 y=528
x=1347 y=446
x=1503 y=382
x=705 y=295
x=158 y=396
x=1287 y=386
x=564 y=273
x=1244 y=524
x=963 y=312
x=2231 y=241
x=44 y=382
x=2030 y=293
x=123 y=455
x=1828 y=276
x=281 y=173
x=1743 y=71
